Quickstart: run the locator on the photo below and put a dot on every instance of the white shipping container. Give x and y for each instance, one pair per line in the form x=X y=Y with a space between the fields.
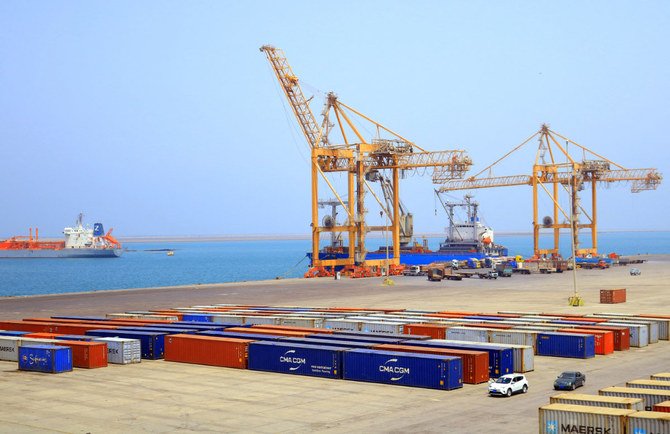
x=513 y=312
x=296 y=321
x=342 y=324
x=653 y=329
x=649 y=422
x=567 y=418
x=467 y=334
x=122 y=351
x=9 y=348
x=516 y=337
x=382 y=327
x=262 y=320
x=121 y=315
x=598 y=401
x=227 y=319
x=651 y=397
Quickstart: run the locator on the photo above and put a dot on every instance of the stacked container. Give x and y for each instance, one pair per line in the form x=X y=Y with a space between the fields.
x=598 y=401
x=649 y=422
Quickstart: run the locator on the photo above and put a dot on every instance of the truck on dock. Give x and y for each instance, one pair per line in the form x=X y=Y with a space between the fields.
x=504 y=269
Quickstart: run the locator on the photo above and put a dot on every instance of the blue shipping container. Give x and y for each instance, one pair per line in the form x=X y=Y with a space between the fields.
x=152 y=343
x=45 y=358
x=201 y=326
x=373 y=339
x=327 y=342
x=188 y=326
x=74 y=337
x=166 y=330
x=196 y=317
x=399 y=337
x=566 y=345
x=236 y=335
x=485 y=318
x=501 y=360
x=405 y=369
x=298 y=359
x=13 y=333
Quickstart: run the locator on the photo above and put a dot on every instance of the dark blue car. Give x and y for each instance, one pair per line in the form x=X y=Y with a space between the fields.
x=570 y=380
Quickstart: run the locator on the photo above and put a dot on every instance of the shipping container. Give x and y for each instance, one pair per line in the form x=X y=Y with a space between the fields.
x=80 y=318
x=435 y=331
x=467 y=334
x=649 y=422
x=9 y=348
x=404 y=369
x=612 y=296
x=196 y=317
x=516 y=337
x=12 y=333
x=663 y=326
x=165 y=330
x=572 y=322
x=122 y=351
x=45 y=358
x=475 y=364
x=207 y=350
x=484 y=317
x=228 y=319
x=236 y=335
x=269 y=332
x=42 y=335
x=621 y=335
x=314 y=340
x=523 y=356
x=663 y=376
x=375 y=339
x=567 y=418
x=603 y=339
x=566 y=345
x=297 y=321
x=651 y=397
x=652 y=326
x=74 y=338
x=399 y=337
x=152 y=343
x=382 y=327
x=649 y=384
x=190 y=326
x=89 y=355
x=662 y=406
x=639 y=333
x=342 y=324
x=297 y=359
x=636 y=404
x=501 y=359
x=294 y=329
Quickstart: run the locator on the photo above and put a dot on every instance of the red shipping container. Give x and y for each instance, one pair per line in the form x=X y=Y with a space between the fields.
x=604 y=339
x=293 y=329
x=42 y=335
x=651 y=315
x=612 y=296
x=86 y=354
x=435 y=331
x=475 y=363
x=265 y=331
x=663 y=406
x=207 y=350
x=26 y=326
x=621 y=335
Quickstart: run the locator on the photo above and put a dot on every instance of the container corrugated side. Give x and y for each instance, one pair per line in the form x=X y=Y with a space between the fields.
x=152 y=343
x=404 y=369
x=376 y=339
x=662 y=376
x=314 y=340
x=227 y=319
x=297 y=359
x=122 y=351
x=89 y=355
x=260 y=320
x=435 y=331
x=662 y=406
x=566 y=418
x=501 y=359
x=45 y=358
x=297 y=321
x=663 y=323
x=651 y=397
x=467 y=334
x=9 y=348
x=566 y=345
x=598 y=401
x=342 y=324
x=639 y=333
x=621 y=335
x=649 y=422
x=475 y=364
x=207 y=350
x=382 y=327
x=649 y=384
x=516 y=337
x=523 y=356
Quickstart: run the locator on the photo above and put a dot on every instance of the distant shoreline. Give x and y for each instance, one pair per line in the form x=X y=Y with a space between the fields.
x=295 y=237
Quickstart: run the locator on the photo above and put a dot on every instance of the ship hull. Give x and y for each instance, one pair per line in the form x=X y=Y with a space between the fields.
x=61 y=253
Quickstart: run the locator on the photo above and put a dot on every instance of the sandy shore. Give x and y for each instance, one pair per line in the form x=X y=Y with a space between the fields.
x=158 y=396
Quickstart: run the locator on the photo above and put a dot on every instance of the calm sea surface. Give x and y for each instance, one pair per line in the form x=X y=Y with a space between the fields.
x=230 y=261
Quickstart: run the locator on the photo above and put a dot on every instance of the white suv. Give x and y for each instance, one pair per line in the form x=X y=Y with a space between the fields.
x=508 y=384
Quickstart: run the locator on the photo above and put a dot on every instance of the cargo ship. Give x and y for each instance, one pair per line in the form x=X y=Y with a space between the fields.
x=464 y=240
x=79 y=242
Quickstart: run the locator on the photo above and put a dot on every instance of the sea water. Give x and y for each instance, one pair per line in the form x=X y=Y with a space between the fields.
x=145 y=265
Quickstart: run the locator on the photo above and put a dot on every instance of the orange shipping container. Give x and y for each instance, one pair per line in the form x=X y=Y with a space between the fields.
x=207 y=350
x=621 y=335
x=86 y=354
x=663 y=406
x=475 y=363
x=293 y=329
x=604 y=340
x=42 y=335
x=435 y=331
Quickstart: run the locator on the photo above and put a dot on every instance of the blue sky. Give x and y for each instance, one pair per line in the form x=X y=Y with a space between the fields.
x=163 y=118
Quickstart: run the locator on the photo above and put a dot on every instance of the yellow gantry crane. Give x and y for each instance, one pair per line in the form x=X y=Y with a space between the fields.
x=363 y=161
x=557 y=172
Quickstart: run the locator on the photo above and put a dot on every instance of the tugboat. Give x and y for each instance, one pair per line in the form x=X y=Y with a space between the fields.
x=80 y=242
